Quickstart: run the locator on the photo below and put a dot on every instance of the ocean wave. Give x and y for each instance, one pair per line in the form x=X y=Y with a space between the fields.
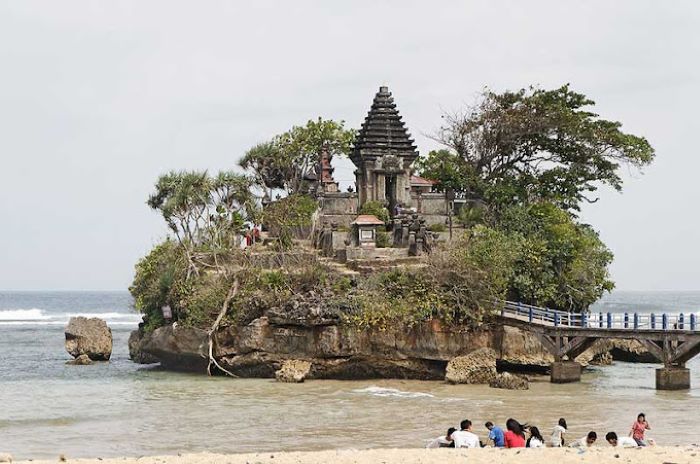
x=392 y=392
x=36 y=316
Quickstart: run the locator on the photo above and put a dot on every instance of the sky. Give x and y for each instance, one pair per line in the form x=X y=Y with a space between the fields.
x=98 y=98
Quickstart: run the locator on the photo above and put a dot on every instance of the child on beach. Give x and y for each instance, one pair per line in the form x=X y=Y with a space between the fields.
x=444 y=441
x=638 y=429
x=535 y=440
x=622 y=442
x=515 y=435
x=496 y=435
x=558 y=433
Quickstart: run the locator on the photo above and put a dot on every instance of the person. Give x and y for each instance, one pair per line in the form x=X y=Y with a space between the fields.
x=622 y=442
x=535 y=440
x=256 y=234
x=496 y=435
x=638 y=429
x=515 y=434
x=444 y=441
x=585 y=442
x=558 y=433
x=465 y=438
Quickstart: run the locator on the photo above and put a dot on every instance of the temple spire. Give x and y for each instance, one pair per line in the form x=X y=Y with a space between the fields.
x=383 y=132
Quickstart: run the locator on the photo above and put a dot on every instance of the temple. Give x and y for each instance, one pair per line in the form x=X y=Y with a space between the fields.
x=383 y=155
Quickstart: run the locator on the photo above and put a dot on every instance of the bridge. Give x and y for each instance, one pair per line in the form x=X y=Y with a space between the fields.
x=673 y=339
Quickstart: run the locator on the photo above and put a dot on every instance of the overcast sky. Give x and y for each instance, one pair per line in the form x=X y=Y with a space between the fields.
x=99 y=98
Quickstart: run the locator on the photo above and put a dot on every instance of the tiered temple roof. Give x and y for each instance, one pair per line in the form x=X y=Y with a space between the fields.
x=383 y=132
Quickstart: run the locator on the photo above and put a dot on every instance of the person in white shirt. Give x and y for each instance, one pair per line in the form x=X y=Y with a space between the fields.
x=465 y=438
x=622 y=442
x=535 y=440
x=443 y=442
x=558 y=433
x=586 y=441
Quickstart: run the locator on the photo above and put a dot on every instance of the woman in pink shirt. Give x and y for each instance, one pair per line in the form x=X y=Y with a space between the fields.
x=638 y=428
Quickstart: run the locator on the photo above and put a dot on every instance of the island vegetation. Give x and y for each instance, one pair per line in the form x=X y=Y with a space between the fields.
x=526 y=160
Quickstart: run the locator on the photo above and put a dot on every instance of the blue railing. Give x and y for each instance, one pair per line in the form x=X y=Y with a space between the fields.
x=618 y=321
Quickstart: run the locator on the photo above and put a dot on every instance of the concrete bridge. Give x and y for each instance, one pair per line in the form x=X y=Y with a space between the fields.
x=673 y=339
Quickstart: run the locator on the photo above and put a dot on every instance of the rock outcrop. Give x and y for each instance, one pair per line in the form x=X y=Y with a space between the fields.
x=509 y=381
x=293 y=371
x=82 y=360
x=136 y=353
x=477 y=367
x=5 y=457
x=266 y=339
x=89 y=337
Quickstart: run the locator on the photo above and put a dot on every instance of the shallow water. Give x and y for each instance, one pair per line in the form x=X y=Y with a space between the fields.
x=120 y=408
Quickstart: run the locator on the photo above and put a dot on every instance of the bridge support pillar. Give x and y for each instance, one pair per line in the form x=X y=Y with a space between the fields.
x=566 y=372
x=673 y=378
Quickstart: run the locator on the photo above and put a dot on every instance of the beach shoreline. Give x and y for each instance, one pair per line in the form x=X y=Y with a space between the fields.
x=597 y=454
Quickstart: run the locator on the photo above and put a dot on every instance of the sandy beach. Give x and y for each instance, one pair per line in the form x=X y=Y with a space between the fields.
x=599 y=454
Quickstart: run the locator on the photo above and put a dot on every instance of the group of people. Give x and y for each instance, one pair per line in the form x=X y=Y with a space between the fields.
x=519 y=435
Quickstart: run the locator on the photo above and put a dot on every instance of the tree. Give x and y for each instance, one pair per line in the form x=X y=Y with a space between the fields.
x=447 y=168
x=560 y=263
x=534 y=145
x=202 y=211
x=285 y=161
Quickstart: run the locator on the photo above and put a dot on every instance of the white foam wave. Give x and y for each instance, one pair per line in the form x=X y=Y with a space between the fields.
x=392 y=392
x=35 y=316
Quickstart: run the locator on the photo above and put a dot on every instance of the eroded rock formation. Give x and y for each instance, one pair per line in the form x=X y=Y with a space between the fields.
x=89 y=337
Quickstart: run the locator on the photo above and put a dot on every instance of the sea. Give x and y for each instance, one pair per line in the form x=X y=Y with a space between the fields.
x=120 y=408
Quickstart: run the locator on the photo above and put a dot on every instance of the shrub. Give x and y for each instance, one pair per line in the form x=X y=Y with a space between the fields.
x=439 y=227
x=375 y=208
x=383 y=239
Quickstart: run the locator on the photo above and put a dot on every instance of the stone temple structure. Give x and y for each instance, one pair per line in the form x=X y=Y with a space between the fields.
x=383 y=154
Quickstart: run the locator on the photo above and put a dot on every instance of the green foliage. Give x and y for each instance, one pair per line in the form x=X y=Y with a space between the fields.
x=471 y=214
x=376 y=208
x=449 y=169
x=561 y=264
x=203 y=209
x=383 y=239
x=284 y=161
x=154 y=279
x=288 y=216
x=438 y=227
x=535 y=145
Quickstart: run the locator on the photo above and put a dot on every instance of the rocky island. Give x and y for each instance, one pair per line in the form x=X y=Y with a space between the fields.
x=398 y=277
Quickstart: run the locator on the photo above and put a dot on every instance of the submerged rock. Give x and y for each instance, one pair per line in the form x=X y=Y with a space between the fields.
x=90 y=337
x=477 y=367
x=509 y=381
x=82 y=360
x=293 y=371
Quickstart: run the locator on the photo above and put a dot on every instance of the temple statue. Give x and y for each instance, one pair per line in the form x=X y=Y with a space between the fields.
x=383 y=154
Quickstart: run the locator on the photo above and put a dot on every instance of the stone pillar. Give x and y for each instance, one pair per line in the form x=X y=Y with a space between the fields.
x=565 y=372
x=673 y=378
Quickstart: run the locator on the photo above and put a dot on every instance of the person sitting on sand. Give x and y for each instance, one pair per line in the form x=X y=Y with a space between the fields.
x=638 y=429
x=535 y=440
x=496 y=435
x=465 y=438
x=444 y=441
x=585 y=442
x=558 y=433
x=622 y=442
x=515 y=434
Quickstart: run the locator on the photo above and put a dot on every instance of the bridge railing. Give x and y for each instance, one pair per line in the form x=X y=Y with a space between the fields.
x=593 y=320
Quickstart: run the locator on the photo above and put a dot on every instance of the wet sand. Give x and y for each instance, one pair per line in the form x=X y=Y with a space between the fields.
x=598 y=454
